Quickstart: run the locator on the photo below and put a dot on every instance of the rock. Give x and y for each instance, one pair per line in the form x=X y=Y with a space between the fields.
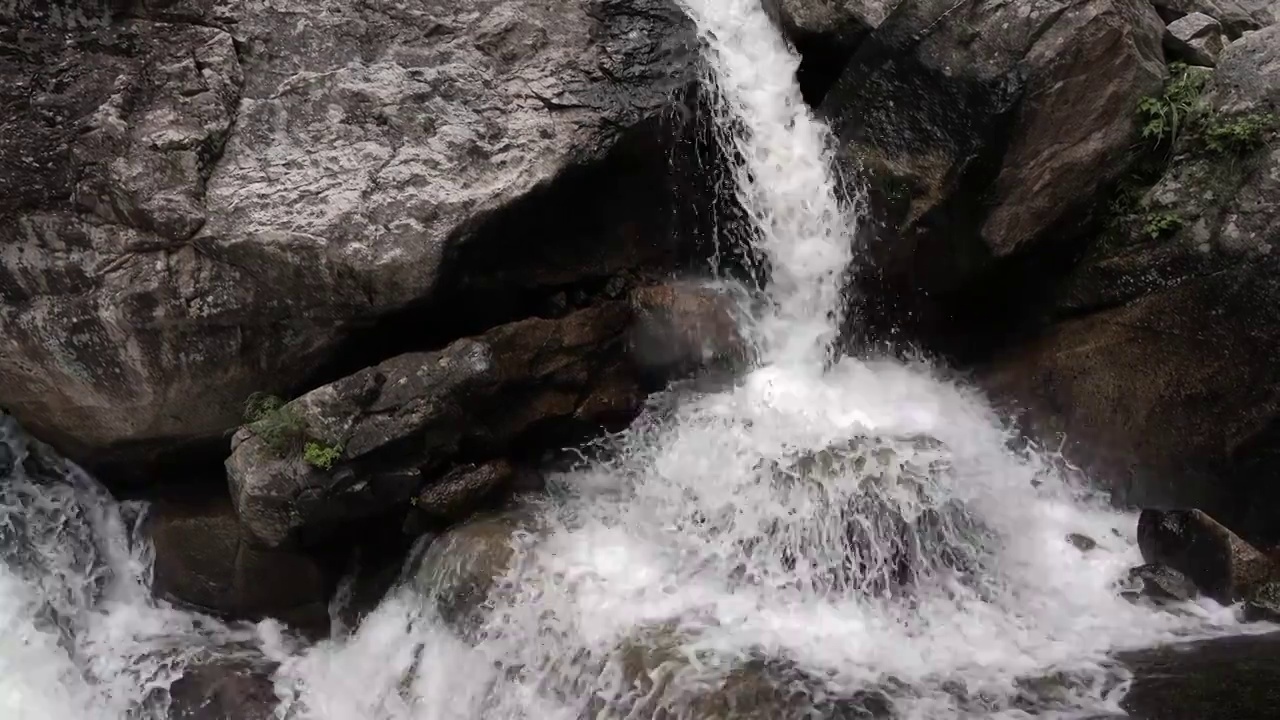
x=826 y=33
x=204 y=200
x=456 y=493
x=204 y=558
x=680 y=328
x=1223 y=566
x=458 y=571
x=224 y=690
x=1161 y=584
x=401 y=423
x=1083 y=543
x=989 y=131
x=1236 y=16
x=1195 y=39
x=1230 y=678
x=1157 y=352
x=1263 y=603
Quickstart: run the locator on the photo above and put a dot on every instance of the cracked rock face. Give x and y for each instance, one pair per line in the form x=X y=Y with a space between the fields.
x=199 y=198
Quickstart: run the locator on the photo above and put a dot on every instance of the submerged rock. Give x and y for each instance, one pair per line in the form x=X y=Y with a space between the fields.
x=1083 y=543
x=459 y=569
x=1221 y=564
x=224 y=690
x=1234 y=678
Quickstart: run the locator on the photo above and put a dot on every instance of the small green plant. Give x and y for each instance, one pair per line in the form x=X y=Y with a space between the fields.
x=1160 y=224
x=319 y=455
x=268 y=417
x=1162 y=117
x=1236 y=134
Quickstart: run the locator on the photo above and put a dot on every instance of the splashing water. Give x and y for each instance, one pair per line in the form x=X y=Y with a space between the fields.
x=849 y=541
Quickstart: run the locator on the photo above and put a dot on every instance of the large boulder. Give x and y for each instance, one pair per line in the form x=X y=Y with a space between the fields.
x=204 y=558
x=394 y=427
x=201 y=199
x=989 y=133
x=1161 y=370
x=1223 y=566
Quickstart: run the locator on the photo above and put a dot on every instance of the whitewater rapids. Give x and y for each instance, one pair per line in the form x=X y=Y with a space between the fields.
x=863 y=526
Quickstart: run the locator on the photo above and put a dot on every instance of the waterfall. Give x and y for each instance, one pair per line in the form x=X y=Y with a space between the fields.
x=849 y=539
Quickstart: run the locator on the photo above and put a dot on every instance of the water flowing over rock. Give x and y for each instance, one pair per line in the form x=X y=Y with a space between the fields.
x=204 y=199
x=229 y=690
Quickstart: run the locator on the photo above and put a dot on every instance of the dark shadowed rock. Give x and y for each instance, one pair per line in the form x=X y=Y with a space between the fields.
x=1263 y=603
x=826 y=33
x=989 y=131
x=204 y=558
x=224 y=690
x=1163 y=362
x=401 y=423
x=680 y=328
x=199 y=200
x=1222 y=566
x=1161 y=584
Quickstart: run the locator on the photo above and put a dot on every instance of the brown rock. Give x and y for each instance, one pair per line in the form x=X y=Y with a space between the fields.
x=681 y=327
x=459 y=568
x=1223 y=566
x=203 y=557
x=401 y=422
x=455 y=494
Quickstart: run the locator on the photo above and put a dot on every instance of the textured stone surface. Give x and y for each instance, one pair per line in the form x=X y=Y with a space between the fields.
x=224 y=690
x=199 y=198
x=400 y=423
x=1163 y=367
x=205 y=558
x=990 y=132
x=1196 y=39
x=1236 y=16
x=826 y=33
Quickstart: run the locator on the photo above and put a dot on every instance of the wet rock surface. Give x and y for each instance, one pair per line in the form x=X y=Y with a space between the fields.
x=1221 y=564
x=1228 y=679
x=224 y=690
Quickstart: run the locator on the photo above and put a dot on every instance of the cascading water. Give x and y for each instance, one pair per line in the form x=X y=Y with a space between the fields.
x=845 y=540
